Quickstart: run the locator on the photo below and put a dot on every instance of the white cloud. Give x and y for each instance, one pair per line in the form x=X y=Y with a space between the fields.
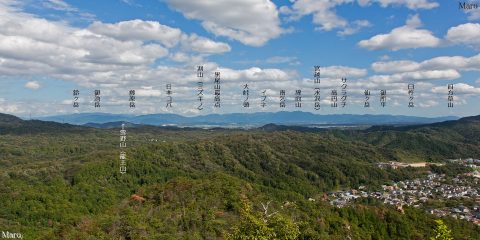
x=384 y=57
x=148 y=92
x=323 y=12
x=395 y=66
x=428 y=103
x=205 y=45
x=12 y=108
x=154 y=31
x=252 y=22
x=458 y=88
x=411 y=4
x=408 y=36
x=430 y=75
x=139 y=30
x=101 y=53
x=460 y=63
x=457 y=62
x=257 y=74
x=468 y=34
x=34 y=85
x=58 y=5
x=112 y=59
x=473 y=14
x=355 y=27
x=187 y=58
x=326 y=18
x=342 y=71
x=27 y=38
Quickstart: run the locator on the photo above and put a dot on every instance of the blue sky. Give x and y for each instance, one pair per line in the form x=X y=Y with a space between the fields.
x=50 y=47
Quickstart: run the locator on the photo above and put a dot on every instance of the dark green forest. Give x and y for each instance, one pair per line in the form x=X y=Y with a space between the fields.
x=59 y=181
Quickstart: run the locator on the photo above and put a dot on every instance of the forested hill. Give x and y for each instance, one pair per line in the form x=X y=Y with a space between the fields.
x=6 y=118
x=15 y=125
x=449 y=139
x=466 y=121
x=426 y=142
x=59 y=181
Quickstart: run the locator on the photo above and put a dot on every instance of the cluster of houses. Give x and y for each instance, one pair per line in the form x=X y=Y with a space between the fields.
x=418 y=191
x=465 y=161
x=471 y=214
x=469 y=162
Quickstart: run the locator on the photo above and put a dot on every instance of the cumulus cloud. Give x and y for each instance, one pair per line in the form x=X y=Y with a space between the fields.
x=154 y=31
x=252 y=22
x=468 y=34
x=205 y=45
x=458 y=88
x=257 y=74
x=407 y=36
x=139 y=30
x=438 y=63
x=184 y=57
x=395 y=66
x=325 y=16
x=428 y=75
x=405 y=71
x=28 y=39
x=100 y=53
x=13 y=108
x=116 y=57
x=342 y=71
x=323 y=12
x=473 y=14
x=148 y=91
x=34 y=85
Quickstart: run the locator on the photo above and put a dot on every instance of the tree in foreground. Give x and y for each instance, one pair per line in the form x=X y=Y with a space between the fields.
x=263 y=225
x=441 y=231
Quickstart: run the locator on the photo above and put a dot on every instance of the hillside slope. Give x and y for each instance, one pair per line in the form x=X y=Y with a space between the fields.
x=62 y=182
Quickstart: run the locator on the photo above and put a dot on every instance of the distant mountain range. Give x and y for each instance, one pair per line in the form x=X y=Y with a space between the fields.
x=242 y=119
